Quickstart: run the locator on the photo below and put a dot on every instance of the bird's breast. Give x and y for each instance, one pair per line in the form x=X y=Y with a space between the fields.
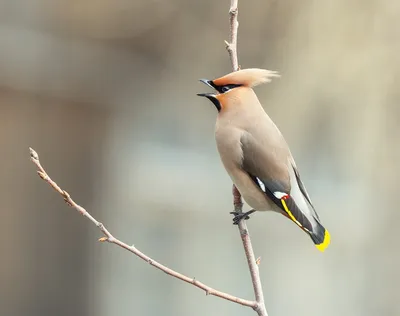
x=229 y=147
x=231 y=153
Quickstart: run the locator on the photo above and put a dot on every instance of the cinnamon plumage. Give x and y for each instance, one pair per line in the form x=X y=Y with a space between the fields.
x=256 y=155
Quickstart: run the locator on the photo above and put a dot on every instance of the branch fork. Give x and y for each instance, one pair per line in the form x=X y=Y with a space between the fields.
x=258 y=304
x=108 y=237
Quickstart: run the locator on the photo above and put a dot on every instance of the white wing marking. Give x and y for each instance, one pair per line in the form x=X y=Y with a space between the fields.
x=279 y=195
x=261 y=184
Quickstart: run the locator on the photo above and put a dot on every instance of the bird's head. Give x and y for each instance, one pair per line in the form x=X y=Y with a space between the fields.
x=234 y=82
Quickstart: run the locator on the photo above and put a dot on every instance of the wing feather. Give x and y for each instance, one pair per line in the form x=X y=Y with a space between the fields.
x=271 y=170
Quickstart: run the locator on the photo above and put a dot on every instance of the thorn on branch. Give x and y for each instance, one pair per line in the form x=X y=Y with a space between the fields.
x=42 y=175
x=233 y=11
x=67 y=198
x=100 y=225
x=103 y=239
x=258 y=261
x=66 y=194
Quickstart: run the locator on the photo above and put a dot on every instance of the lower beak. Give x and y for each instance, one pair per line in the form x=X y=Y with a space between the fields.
x=207 y=95
x=212 y=97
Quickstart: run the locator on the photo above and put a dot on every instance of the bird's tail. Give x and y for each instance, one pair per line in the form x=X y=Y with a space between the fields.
x=320 y=236
x=307 y=222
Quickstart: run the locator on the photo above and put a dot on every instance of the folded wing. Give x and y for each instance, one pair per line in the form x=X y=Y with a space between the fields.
x=273 y=170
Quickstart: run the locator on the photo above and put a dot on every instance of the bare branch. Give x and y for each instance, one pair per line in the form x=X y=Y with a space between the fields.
x=258 y=305
x=231 y=47
x=111 y=239
x=253 y=267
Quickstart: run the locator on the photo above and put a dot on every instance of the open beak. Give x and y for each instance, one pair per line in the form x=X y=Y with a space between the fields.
x=210 y=96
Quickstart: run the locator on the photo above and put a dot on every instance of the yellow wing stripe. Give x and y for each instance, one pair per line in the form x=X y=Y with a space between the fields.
x=290 y=213
x=327 y=237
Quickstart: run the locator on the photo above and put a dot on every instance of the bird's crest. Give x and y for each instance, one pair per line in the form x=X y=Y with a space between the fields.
x=247 y=77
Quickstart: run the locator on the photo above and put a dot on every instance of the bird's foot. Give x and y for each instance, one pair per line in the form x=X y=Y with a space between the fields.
x=239 y=216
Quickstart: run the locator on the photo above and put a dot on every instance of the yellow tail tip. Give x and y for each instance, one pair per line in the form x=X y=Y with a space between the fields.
x=327 y=240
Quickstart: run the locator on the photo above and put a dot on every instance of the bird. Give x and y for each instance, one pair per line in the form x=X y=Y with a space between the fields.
x=256 y=156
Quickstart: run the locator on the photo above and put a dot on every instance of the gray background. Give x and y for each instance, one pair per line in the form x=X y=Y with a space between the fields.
x=105 y=92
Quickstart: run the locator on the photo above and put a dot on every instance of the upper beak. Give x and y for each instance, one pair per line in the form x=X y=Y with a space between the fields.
x=208 y=83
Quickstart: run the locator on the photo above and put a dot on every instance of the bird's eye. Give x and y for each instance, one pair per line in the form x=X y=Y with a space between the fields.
x=225 y=89
x=228 y=87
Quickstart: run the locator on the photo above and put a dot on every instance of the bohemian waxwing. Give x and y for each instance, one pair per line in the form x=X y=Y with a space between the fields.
x=256 y=156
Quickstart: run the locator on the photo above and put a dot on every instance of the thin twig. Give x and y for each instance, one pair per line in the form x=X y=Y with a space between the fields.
x=258 y=305
x=253 y=267
x=111 y=239
x=231 y=47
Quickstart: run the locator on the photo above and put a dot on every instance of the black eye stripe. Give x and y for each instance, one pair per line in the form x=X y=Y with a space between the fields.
x=231 y=86
x=226 y=88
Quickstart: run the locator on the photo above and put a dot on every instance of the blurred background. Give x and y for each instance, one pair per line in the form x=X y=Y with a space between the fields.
x=105 y=91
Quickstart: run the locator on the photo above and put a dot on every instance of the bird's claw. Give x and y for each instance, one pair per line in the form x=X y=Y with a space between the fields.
x=239 y=216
